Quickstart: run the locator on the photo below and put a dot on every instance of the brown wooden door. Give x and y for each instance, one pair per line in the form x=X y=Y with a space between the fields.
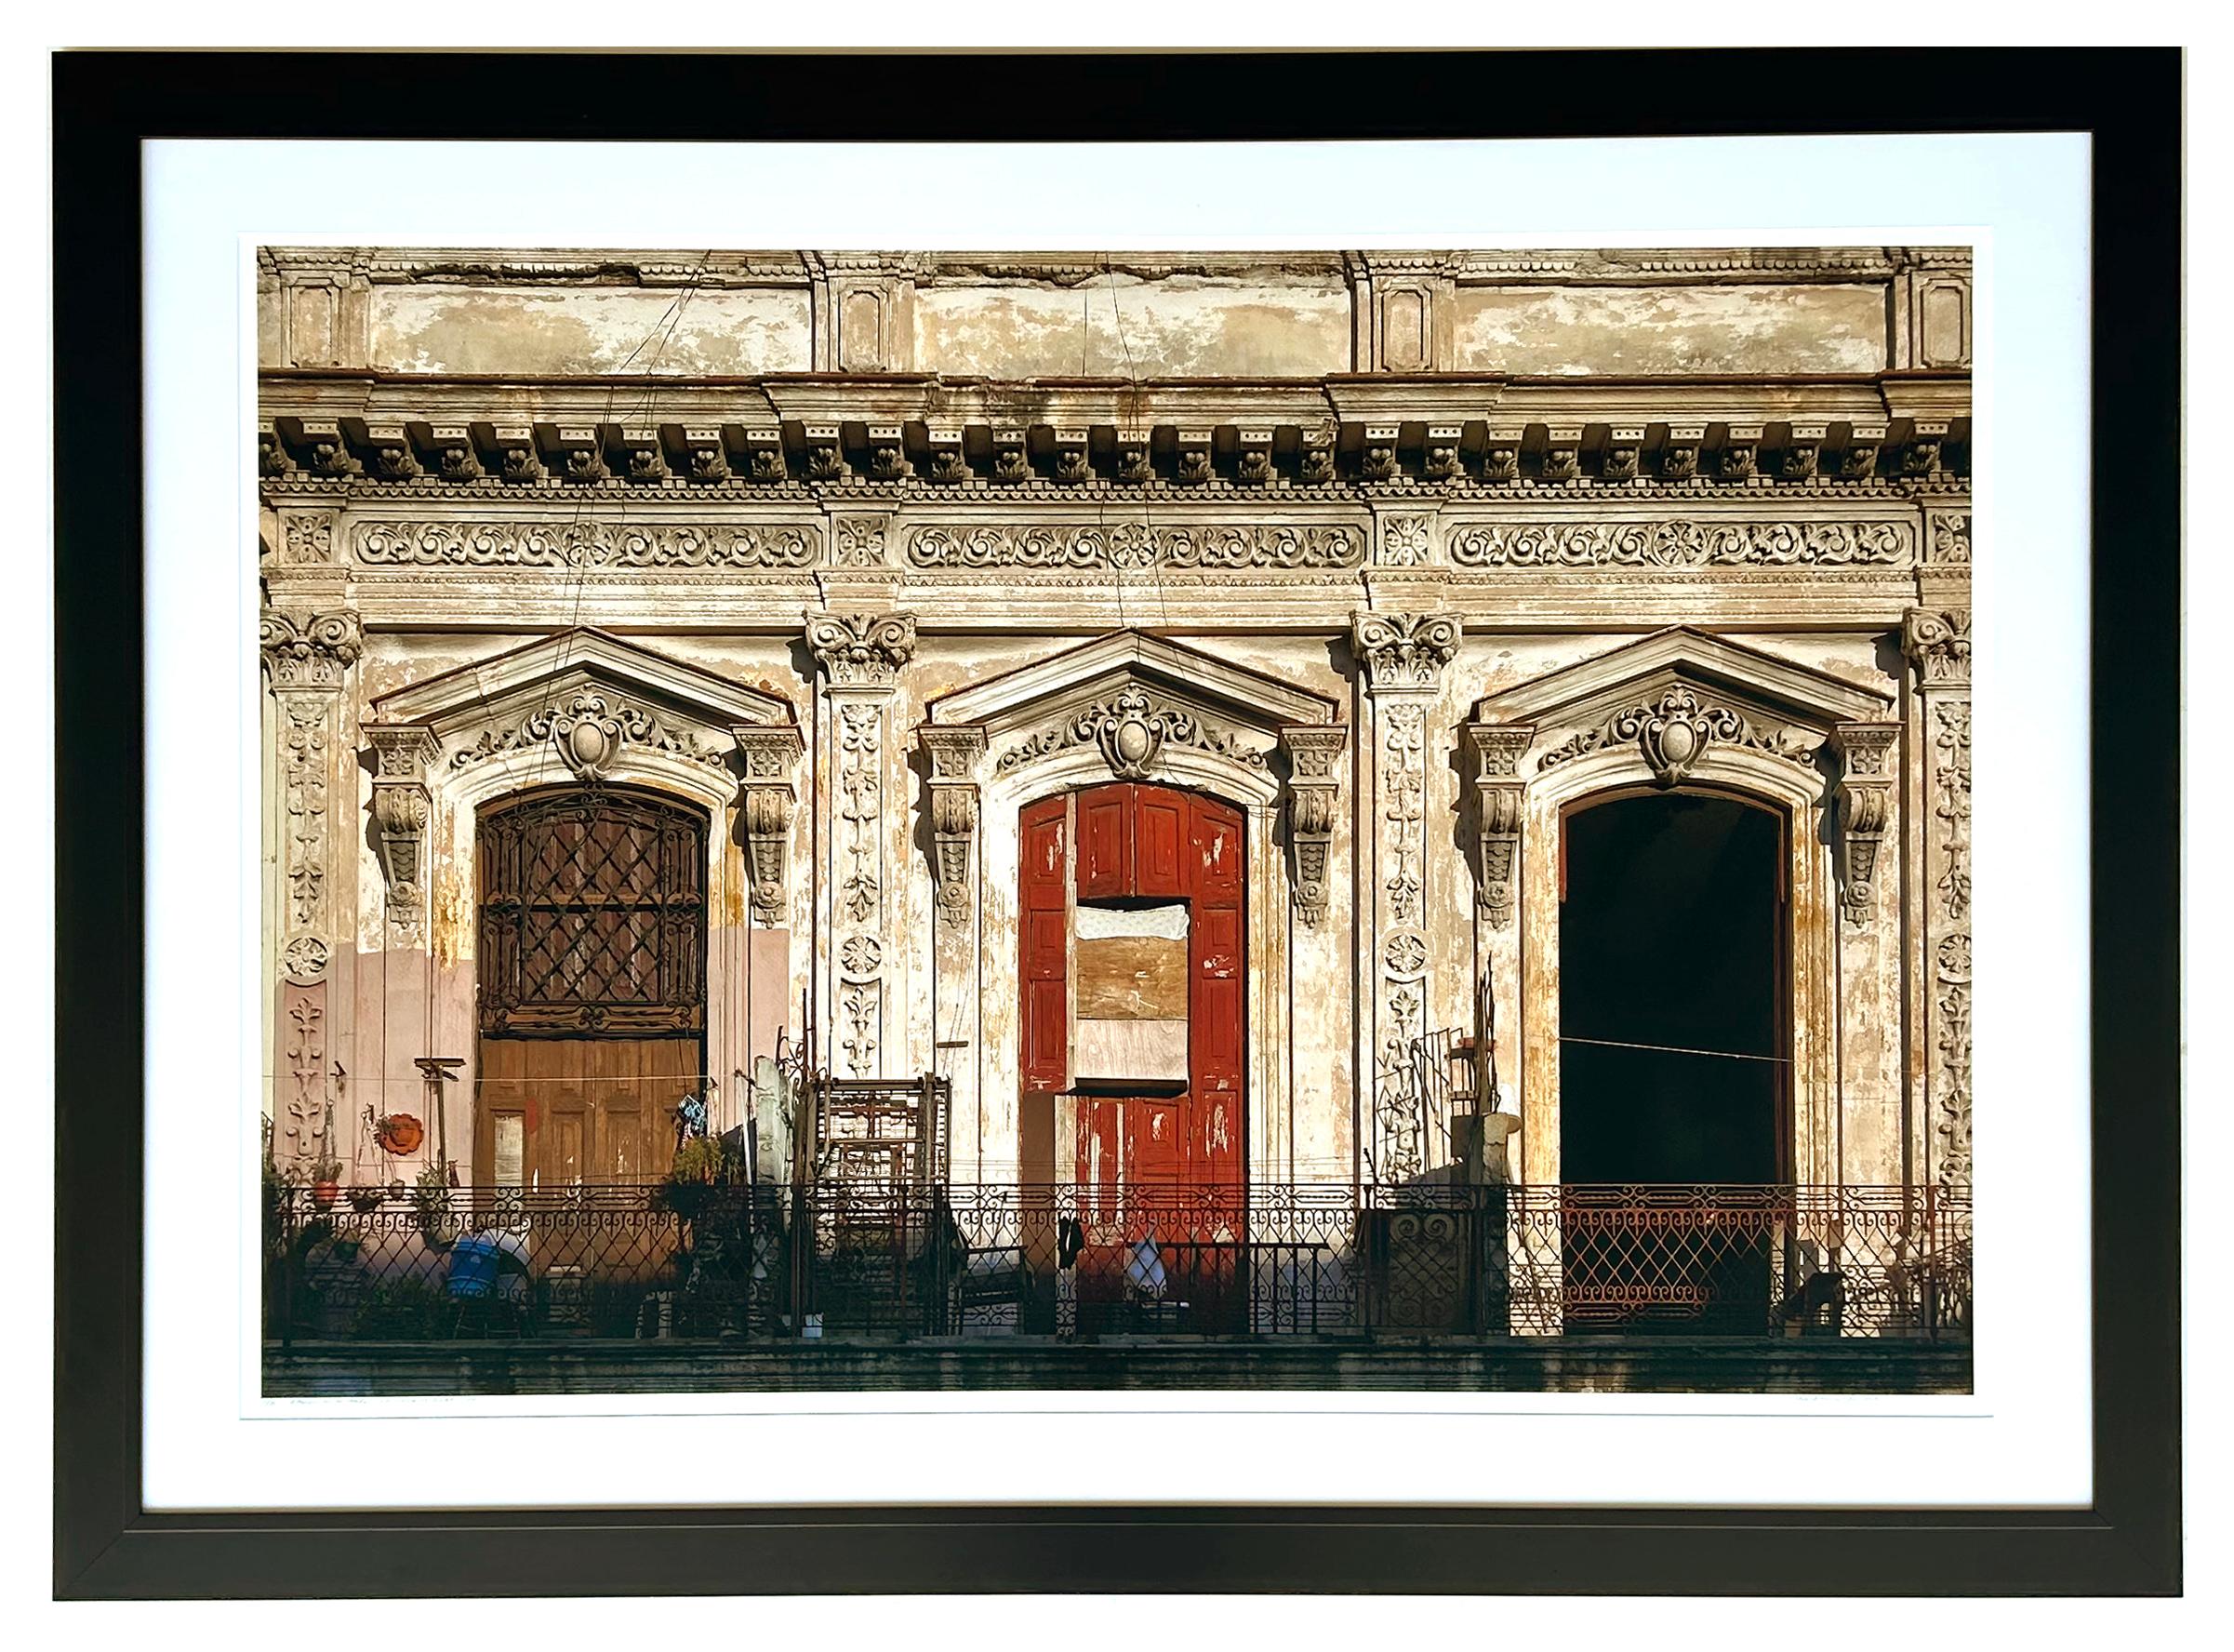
x=591 y=970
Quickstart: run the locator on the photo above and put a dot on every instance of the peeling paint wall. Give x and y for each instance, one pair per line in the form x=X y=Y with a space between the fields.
x=1181 y=327
x=588 y=329
x=1661 y=330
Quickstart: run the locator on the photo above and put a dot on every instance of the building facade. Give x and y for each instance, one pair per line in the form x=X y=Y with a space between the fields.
x=1177 y=700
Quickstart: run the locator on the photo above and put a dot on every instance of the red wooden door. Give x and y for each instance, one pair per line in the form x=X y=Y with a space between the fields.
x=1157 y=1166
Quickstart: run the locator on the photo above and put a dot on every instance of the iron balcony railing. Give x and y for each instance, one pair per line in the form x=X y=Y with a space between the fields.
x=907 y=1259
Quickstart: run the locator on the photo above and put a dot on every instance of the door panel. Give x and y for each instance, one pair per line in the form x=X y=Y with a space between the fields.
x=1105 y=843
x=1158 y=829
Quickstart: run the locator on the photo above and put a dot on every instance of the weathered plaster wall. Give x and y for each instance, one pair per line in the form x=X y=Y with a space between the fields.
x=1180 y=326
x=1669 y=330
x=589 y=329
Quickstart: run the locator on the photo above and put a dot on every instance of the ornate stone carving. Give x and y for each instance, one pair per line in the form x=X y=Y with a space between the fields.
x=1948 y=535
x=769 y=754
x=953 y=754
x=1499 y=798
x=861 y=650
x=584 y=545
x=521 y=463
x=1950 y=802
x=1939 y=644
x=1403 y=650
x=1377 y=462
x=1136 y=545
x=307 y=536
x=1501 y=455
x=1132 y=728
x=1403 y=789
x=861 y=808
x=1673 y=732
x=400 y=807
x=303 y=1125
x=1952 y=1001
x=272 y=454
x=1314 y=798
x=1404 y=541
x=588 y=732
x=860 y=542
x=1624 y=446
x=1864 y=808
x=310 y=650
x=1681 y=543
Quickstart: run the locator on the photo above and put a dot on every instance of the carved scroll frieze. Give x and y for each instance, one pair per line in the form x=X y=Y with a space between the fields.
x=1864 y=808
x=401 y=805
x=954 y=754
x=1132 y=728
x=588 y=731
x=585 y=545
x=1500 y=794
x=1136 y=545
x=1672 y=732
x=1314 y=753
x=770 y=755
x=1681 y=542
x=861 y=650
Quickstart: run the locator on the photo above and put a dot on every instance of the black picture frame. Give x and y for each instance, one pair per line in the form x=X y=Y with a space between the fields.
x=107 y=1545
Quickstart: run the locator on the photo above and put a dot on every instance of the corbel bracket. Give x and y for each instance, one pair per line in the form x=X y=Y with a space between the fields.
x=1314 y=753
x=771 y=754
x=1864 y=808
x=401 y=805
x=1499 y=793
x=954 y=751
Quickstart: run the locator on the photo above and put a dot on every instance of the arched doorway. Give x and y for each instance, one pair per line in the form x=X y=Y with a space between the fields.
x=1133 y=1026
x=591 y=975
x=1674 y=1065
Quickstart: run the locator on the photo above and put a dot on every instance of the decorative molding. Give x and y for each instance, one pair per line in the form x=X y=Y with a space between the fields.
x=953 y=752
x=1402 y=651
x=769 y=756
x=303 y=1127
x=1673 y=732
x=1946 y=536
x=1864 y=808
x=1136 y=545
x=858 y=731
x=858 y=542
x=1406 y=541
x=1939 y=644
x=1950 y=802
x=585 y=545
x=1314 y=799
x=310 y=650
x=1683 y=542
x=1499 y=796
x=588 y=732
x=1402 y=791
x=1132 y=728
x=306 y=536
x=861 y=650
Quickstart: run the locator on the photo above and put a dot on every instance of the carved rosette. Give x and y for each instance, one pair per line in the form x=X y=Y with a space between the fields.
x=1402 y=656
x=1938 y=644
x=770 y=756
x=1498 y=795
x=858 y=542
x=954 y=754
x=1864 y=808
x=1314 y=753
x=401 y=805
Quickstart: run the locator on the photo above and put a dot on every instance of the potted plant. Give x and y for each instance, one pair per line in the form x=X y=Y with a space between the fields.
x=364 y=1197
x=325 y=1181
x=430 y=1200
x=700 y=1165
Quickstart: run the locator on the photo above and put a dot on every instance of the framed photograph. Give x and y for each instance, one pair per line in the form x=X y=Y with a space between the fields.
x=940 y=822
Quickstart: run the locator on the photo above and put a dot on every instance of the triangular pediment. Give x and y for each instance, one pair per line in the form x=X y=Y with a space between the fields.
x=1763 y=681
x=1172 y=672
x=503 y=686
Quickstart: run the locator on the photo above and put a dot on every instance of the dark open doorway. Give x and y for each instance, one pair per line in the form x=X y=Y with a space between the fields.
x=1673 y=1049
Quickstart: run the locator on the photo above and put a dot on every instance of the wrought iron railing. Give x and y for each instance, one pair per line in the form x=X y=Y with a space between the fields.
x=910 y=1259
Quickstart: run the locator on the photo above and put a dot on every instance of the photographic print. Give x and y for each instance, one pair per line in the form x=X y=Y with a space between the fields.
x=1045 y=821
